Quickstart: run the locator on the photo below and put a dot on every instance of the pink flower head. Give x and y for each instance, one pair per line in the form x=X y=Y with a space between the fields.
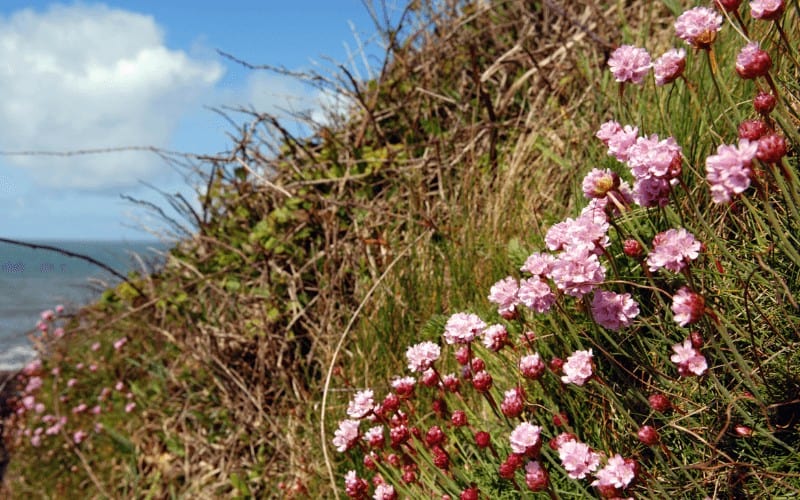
x=598 y=183
x=504 y=294
x=362 y=404
x=34 y=367
x=538 y=264
x=578 y=368
x=689 y=360
x=728 y=172
x=620 y=143
x=608 y=130
x=354 y=486
x=728 y=5
x=669 y=66
x=698 y=27
x=495 y=337
x=59 y=309
x=374 y=437
x=48 y=315
x=33 y=385
x=618 y=473
x=672 y=250
x=80 y=408
x=404 y=386
x=95 y=346
x=613 y=310
x=346 y=436
x=577 y=272
x=753 y=62
x=650 y=157
x=58 y=332
x=462 y=328
x=768 y=10
x=535 y=476
x=79 y=436
x=513 y=402
x=71 y=382
x=577 y=458
x=526 y=438
x=421 y=356
x=771 y=148
x=532 y=366
x=587 y=231
x=687 y=307
x=536 y=294
x=129 y=407
x=384 y=492
x=629 y=64
x=119 y=343
x=764 y=103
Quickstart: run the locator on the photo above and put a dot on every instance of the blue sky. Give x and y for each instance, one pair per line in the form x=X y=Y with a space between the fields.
x=87 y=75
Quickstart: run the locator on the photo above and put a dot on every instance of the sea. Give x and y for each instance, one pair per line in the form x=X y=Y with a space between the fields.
x=34 y=280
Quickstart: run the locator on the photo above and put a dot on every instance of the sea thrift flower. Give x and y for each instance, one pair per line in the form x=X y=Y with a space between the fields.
x=384 y=492
x=698 y=27
x=618 y=473
x=687 y=307
x=768 y=10
x=578 y=368
x=632 y=248
x=495 y=337
x=483 y=439
x=620 y=143
x=34 y=367
x=743 y=431
x=451 y=382
x=764 y=103
x=435 y=436
x=629 y=64
x=728 y=172
x=535 y=476
x=462 y=328
x=771 y=148
x=653 y=157
x=482 y=381
x=513 y=402
x=430 y=378
x=697 y=339
x=33 y=385
x=96 y=346
x=48 y=315
x=374 y=437
x=669 y=67
x=612 y=310
x=421 y=356
x=58 y=332
x=346 y=436
x=79 y=436
x=459 y=418
x=525 y=438
x=119 y=343
x=80 y=408
x=538 y=264
x=752 y=130
x=577 y=272
x=577 y=458
x=440 y=457
x=608 y=130
x=535 y=293
x=647 y=435
x=659 y=402
x=752 y=62
x=586 y=231
x=354 y=486
x=728 y=5
x=59 y=309
x=119 y=385
x=404 y=386
x=361 y=404
x=598 y=183
x=672 y=250
x=130 y=407
x=689 y=360
x=651 y=192
x=504 y=294
x=531 y=366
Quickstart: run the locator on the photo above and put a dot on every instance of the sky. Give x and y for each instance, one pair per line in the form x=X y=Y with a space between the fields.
x=88 y=75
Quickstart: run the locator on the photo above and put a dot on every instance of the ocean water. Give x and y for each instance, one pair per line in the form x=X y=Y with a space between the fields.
x=33 y=280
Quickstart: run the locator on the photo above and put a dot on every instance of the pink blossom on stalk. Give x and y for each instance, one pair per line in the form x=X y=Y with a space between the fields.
x=598 y=183
x=130 y=407
x=585 y=231
x=771 y=148
x=384 y=492
x=728 y=172
x=752 y=130
x=404 y=386
x=698 y=27
x=58 y=332
x=462 y=328
x=504 y=294
x=672 y=250
x=525 y=438
x=354 y=486
x=421 y=356
x=768 y=10
x=346 y=436
x=728 y=5
x=535 y=476
x=361 y=405
x=629 y=64
x=34 y=367
x=753 y=62
x=669 y=66
x=653 y=157
x=577 y=272
x=495 y=337
x=613 y=310
x=513 y=402
x=119 y=343
x=33 y=385
x=538 y=264
x=620 y=143
x=688 y=359
x=687 y=306
x=578 y=368
x=374 y=437
x=95 y=346
x=577 y=458
x=608 y=130
x=764 y=103
x=532 y=366
x=59 y=309
x=48 y=315
x=79 y=436
x=618 y=473
x=536 y=294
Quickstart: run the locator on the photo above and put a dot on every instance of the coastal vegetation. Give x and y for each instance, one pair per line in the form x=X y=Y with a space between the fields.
x=529 y=259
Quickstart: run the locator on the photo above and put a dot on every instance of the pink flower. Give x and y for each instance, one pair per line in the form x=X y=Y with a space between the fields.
x=36 y=440
x=33 y=385
x=384 y=492
x=80 y=408
x=768 y=10
x=629 y=64
x=669 y=66
x=119 y=343
x=577 y=272
x=504 y=294
x=421 y=356
x=58 y=332
x=672 y=250
x=771 y=148
x=531 y=366
x=764 y=103
x=346 y=436
x=608 y=130
x=650 y=157
x=688 y=359
x=728 y=172
x=71 y=382
x=361 y=404
x=538 y=264
x=652 y=192
x=578 y=368
x=96 y=409
x=598 y=183
x=586 y=231
x=612 y=310
x=119 y=385
x=404 y=386
x=535 y=476
x=577 y=458
x=79 y=436
x=525 y=438
x=698 y=27
x=753 y=62
x=513 y=402
x=130 y=407
x=495 y=337
x=728 y=5
x=536 y=294
x=374 y=437
x=33 y=367
x=462 y=328
x=48 y=315
x=354 y=486
x=620 y=143
x=96 y=346
x=687 y=306
x=618 y=473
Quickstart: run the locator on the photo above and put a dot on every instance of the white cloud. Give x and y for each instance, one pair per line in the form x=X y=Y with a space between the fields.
x=88 y=76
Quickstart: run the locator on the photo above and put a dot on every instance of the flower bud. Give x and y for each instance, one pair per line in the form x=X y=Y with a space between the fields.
x=659 y=403
x=482 y=381
x=459 y=418
x=632 y=248
x=728 y=5
x=764 y=103
x=771 y=148
x=753 y=62
x=743 y=431
x=752 y=130
x=648 y=435
x=435 y=436
x=483 y=439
